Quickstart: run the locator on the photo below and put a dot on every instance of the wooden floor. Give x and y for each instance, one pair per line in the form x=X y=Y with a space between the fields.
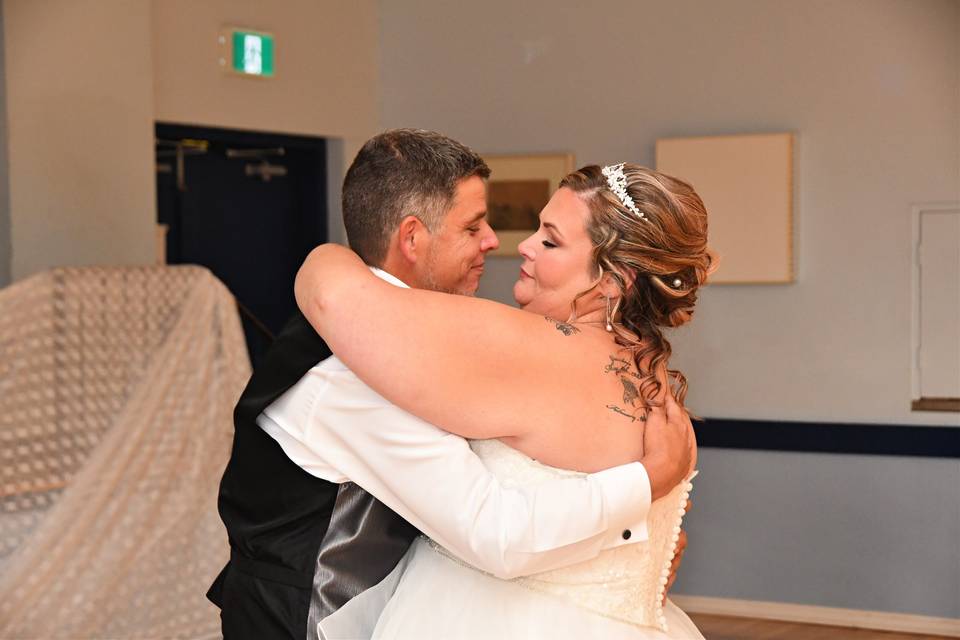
x=724 y=628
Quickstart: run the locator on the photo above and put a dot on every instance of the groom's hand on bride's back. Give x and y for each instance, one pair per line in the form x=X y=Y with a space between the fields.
x=669 y=447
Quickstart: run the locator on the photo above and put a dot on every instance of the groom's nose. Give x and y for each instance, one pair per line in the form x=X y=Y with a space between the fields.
x=490 y=241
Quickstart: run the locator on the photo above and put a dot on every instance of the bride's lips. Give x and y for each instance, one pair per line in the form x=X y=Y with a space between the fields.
x=524 y=274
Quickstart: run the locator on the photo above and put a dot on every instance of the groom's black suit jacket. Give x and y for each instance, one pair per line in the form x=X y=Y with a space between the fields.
x=300 y=547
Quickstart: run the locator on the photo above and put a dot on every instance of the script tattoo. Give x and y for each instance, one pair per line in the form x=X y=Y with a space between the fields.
x=617 y=409
x=565 y=328
x=621 y=368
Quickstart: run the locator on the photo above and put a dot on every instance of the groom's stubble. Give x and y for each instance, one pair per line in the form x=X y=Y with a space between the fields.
x=434 y=279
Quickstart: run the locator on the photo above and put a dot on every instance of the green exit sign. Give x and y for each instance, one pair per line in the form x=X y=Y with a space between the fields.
x=250 y=52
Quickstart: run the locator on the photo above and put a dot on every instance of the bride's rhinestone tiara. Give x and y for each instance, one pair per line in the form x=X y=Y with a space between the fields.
x=617 y=182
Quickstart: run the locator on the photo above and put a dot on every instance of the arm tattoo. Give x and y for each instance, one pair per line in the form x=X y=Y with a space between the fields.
x=565 y=328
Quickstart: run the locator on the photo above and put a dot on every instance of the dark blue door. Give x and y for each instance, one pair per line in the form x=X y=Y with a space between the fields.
x=249 y=207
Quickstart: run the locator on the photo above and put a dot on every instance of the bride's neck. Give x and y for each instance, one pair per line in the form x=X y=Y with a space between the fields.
x=594 y=316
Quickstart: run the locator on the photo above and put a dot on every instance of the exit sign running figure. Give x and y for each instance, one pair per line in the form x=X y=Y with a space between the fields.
x=249 y=53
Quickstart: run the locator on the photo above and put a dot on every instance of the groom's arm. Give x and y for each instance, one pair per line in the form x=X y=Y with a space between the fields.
x=335 y=427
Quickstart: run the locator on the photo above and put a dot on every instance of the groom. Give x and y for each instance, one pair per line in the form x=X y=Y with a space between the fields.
x=328 y=483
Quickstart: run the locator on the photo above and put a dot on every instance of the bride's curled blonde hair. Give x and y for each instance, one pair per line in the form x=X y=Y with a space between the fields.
x=659 y=261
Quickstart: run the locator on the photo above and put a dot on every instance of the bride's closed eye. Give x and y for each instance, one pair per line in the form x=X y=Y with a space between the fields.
x=548 y=244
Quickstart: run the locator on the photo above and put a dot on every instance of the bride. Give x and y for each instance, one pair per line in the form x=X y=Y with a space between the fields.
x=561 y=387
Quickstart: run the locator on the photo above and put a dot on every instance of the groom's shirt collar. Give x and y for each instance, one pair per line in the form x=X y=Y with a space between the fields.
x=389 y=277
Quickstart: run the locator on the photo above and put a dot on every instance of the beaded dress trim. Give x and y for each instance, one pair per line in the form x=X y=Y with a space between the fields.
x=627 y=582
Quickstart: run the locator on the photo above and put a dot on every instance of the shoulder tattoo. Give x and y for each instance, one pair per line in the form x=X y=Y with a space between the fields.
x=565 y=328
x=622 y=369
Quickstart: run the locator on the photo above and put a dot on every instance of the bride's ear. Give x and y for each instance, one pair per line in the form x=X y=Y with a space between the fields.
x=610 y=285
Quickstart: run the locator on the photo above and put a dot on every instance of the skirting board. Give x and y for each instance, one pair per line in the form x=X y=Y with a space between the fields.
x=785 y=612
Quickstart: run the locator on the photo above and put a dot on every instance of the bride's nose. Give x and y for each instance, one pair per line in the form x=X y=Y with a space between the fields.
x=525 y=248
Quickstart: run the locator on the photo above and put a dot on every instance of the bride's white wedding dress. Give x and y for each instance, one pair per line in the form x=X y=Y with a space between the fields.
x=617 y=595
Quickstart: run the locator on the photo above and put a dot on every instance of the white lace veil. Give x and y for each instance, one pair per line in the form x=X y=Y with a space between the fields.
x=117 y=387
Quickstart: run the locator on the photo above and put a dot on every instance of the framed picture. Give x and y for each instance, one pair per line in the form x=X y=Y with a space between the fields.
x=519 y=187
x=747 y=184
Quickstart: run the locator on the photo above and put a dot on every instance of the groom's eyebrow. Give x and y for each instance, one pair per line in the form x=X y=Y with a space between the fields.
x=480 y=215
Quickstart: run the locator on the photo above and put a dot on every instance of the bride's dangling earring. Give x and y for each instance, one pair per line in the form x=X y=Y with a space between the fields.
x=609 y=316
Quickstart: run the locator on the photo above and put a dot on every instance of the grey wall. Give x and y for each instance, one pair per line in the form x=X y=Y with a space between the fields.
x=857 y=532
x=873 y=91
x=4 y=178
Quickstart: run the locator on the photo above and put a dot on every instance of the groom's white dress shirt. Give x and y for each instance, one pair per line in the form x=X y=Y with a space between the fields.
x=336 y=428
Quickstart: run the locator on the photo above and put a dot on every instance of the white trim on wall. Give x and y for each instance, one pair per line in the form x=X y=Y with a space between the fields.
x=832 y=616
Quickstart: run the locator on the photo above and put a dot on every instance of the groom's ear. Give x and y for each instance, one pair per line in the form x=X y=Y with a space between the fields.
x=410 y=238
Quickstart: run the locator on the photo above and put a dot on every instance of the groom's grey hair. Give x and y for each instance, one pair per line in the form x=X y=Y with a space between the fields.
x=398 y=173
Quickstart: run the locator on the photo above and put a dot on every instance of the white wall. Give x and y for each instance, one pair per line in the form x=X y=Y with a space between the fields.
x=325 y=82
x=86 y=80
x=873 y=91
x=80 y=133
x=326 y=67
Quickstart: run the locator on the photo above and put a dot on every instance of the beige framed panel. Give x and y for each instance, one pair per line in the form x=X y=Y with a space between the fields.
x=747 y=185
x=519 y=187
